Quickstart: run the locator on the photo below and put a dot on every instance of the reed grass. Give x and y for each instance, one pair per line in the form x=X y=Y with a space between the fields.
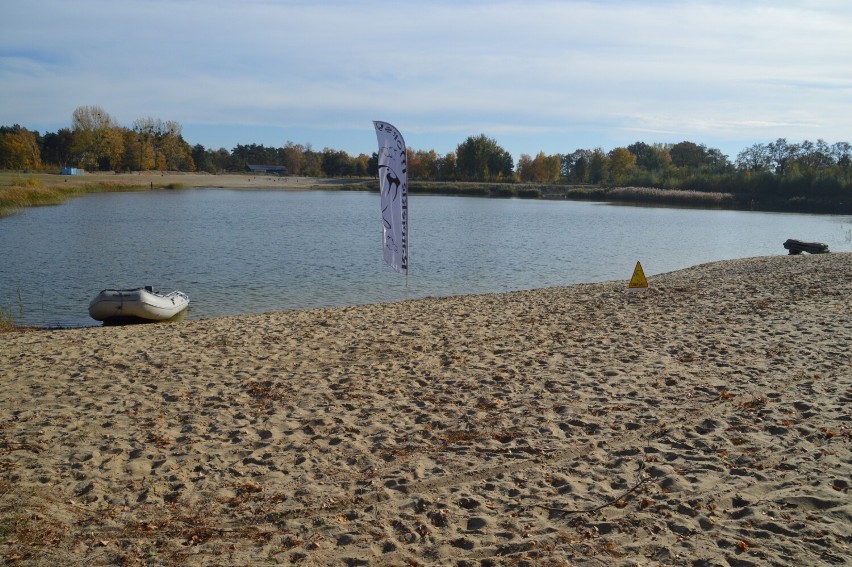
x=637 y=195
x=648 y=195
x=19 y=191
x=671 y=196
x=7 y=322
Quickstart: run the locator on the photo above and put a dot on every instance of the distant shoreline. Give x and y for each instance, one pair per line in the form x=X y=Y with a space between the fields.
x=173 y=179
x=21 y=190
x=36 y=189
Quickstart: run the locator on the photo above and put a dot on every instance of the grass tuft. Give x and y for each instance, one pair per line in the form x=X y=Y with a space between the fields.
x=26 y=182
x=19 y=191
x=7 y=322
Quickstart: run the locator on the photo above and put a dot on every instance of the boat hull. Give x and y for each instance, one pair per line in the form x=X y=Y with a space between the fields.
x=142 y=303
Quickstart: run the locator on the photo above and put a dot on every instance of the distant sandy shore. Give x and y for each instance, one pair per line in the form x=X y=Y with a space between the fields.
x=192 y=180
x=704 y=421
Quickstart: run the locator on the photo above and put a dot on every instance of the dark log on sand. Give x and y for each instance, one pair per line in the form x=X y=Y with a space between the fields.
x=797 y=247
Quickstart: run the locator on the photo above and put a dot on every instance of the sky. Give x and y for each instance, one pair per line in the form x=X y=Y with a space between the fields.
x=534 y=75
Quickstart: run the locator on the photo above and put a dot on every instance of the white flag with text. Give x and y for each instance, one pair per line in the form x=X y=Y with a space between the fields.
x=393 y=187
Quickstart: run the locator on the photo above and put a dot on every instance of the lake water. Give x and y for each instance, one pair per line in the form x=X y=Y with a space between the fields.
x=238 y=252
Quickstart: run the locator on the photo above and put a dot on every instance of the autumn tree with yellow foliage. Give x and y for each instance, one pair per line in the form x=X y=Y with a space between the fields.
x=19 y=149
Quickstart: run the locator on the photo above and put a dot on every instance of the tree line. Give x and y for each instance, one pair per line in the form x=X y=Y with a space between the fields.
x=96 y=142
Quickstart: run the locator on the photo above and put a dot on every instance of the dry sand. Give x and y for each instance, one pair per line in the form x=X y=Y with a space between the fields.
x=705 y=421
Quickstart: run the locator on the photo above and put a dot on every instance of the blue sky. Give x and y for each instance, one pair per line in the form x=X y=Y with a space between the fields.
x=535 y=75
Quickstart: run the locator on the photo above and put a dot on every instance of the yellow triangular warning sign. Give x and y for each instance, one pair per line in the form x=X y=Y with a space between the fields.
x=638 y=279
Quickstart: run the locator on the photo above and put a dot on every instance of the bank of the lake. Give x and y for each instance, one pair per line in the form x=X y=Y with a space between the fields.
x=19 y=190
x=650 y=196
x=24 y=189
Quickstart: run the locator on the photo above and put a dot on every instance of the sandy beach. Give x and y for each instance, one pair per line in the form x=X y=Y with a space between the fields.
x=224 y=180
x=161 y=179
x=703 y=421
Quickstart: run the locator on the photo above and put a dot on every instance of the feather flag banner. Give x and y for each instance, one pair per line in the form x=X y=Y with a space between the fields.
x=393 y=187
